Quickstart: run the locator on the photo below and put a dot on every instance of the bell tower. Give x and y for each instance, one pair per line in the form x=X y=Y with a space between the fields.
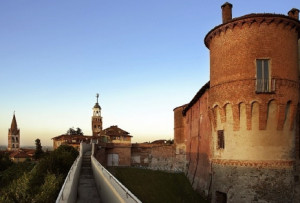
x=13 y=135
x=96 y=119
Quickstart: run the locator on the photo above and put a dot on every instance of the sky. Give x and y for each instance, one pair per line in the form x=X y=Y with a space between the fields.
x=144 y=58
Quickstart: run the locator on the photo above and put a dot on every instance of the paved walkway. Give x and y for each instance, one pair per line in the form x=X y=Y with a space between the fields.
x=87 y=190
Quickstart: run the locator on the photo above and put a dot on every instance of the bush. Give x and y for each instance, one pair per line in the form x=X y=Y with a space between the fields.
x=41 y=183
x=49 y=189
x=5 y=162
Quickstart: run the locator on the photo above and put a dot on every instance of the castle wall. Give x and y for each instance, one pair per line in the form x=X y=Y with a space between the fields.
x=253 y=131
x=253 y=184
x=122 y=150
x=255 y=165
x=254 y=144
x=198 y=145
x=179 y=135
x=157 y=157
x=299 y=55
x=297 y=144
x=228 y=63
x=152 y=156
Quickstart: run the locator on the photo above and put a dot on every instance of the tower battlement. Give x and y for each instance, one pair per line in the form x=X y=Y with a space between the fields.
x=241 y=133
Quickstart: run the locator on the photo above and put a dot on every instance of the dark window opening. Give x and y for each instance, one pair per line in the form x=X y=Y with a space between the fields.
x=263 y=82
x=221 y=197
x=221 y=141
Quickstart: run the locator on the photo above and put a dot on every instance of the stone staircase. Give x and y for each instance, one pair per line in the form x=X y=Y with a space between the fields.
x=87 y=190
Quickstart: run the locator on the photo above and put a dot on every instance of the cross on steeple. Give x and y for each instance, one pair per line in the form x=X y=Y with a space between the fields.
x=97 y=95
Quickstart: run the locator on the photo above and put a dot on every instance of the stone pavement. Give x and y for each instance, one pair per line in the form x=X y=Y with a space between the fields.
x=87 y=189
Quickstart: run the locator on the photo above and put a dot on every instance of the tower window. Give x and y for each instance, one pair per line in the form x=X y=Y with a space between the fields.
x=263 y=82
x=221 y=141
x=95 y=126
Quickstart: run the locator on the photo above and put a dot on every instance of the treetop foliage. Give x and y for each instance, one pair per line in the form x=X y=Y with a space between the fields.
x=72 y=131
x=38 y=149
x=37 y=181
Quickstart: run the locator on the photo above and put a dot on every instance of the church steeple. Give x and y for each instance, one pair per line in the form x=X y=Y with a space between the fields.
x=96 y=119
x=14 y=126
x=14 y=135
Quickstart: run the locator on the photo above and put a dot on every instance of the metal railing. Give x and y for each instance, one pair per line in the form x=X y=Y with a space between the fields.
x=66 y=190
x=265 y=85
x=122 y=191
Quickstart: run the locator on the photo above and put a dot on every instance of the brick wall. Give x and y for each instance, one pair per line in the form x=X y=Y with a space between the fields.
x=258 y=127
x=158 y=157
x=122 y=150
x=198 y=145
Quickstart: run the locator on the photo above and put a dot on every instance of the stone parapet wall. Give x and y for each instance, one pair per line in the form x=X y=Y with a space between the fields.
x=252 y=184
x=157 y=157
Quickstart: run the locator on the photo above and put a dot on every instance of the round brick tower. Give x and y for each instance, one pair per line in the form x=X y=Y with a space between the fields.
x=253 y=99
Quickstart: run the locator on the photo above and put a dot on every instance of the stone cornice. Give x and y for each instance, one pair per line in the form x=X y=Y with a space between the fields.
x=277 y=19
x=256 y=164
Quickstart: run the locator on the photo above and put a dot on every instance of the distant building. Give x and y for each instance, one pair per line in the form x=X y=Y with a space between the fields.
x=20 y=156
x=96 y=119
x=13 y=136
x=72 y=140
x=113 y=134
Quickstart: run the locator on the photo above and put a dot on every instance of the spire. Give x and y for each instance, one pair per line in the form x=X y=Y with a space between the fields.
x=97 y=104
x=14 y=126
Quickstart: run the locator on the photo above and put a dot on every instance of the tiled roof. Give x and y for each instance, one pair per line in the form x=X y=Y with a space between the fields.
x=97 y=106
x=19 y=154
x=114 y=130
x=64 y=136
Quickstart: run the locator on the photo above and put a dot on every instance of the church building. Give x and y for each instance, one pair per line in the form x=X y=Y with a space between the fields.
x=13 y=136
x=112 y=134
x=96 y=119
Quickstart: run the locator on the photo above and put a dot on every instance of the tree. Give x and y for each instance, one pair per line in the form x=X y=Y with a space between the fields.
x=5 y=161
x=38 y=149
x=72 y=131
x=42 y=181
x=79 y=131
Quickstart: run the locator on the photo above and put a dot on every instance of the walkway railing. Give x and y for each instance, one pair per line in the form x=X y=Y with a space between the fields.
x=68 y=192
x=109 y=188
